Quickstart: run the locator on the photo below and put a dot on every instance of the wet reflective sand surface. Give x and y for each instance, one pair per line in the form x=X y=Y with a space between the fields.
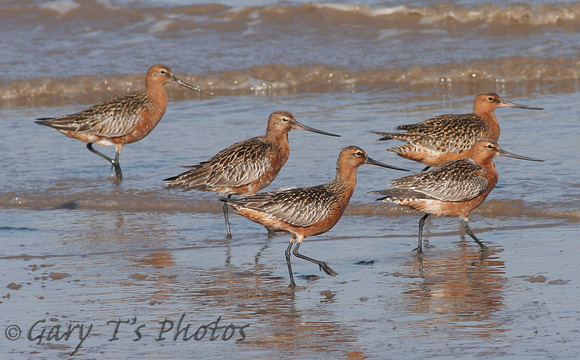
x=92 y=269
x=151 y=270
x=147 y=288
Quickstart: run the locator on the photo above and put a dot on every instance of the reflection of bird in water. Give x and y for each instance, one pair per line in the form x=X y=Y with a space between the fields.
x=245 y=167
x=453 y=188
x=307 y=211
x=450 y=137
x=462 y=286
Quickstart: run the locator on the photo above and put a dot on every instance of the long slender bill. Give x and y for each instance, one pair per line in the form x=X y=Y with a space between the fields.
x=515 y=156
x=191 y=87
x=378 y=163
x=514 y=105
x=308 y=128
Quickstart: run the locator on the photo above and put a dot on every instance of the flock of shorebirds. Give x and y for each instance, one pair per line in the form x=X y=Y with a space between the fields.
x=458 y=150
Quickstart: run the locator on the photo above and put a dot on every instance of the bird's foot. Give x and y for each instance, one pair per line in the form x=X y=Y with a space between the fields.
x=327 y=269
x=418 y=250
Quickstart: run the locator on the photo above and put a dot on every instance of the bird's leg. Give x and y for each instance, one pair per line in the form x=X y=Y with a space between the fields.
x=419 y=247
x=470 y=233
x=90 y=147
x=271 y=233
x=426 y=168
x=322 y=265
x=117 y=166
x=114 y=162
x=287 y=253
x=227 y=218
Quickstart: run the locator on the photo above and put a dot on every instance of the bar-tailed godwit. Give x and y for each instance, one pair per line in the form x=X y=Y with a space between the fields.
x=450 y=137
x=452 y=189
x=120 y=120
x=307 y=211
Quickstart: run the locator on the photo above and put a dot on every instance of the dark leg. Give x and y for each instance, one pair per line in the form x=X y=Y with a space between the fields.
x=271 y=233
x=117 y=167
x=287 y=253
x=322 y=265
x=419 y=247
x=114 y=162
x=227 y=218
x=426 y=168
x=470 y=233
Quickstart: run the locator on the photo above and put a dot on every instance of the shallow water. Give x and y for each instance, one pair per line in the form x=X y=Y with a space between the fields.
x=79 y=249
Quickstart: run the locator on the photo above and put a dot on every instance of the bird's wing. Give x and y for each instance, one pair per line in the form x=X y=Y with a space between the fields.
x=448 y=133
x=458 y=180
x=239 y=164
x=113 y=118
x=297 y=206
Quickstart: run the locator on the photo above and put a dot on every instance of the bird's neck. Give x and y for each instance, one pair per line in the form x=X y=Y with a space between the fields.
x=157 y=96
x=489 y=166
x=279 y=139
x=345 y=181
x=492 y=124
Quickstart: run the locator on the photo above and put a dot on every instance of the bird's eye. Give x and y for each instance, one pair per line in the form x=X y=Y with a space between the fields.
x=359 y=153
x=489 y=146
x=284 y=119
x=163 y=71
x=490 y=98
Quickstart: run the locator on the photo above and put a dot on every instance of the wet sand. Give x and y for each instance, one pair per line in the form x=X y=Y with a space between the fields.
x=104 y=271
x=520 y=300
x=80 y=250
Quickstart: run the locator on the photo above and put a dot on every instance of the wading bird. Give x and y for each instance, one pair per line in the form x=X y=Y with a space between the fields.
x=450 y=137
x=307 y=211
x=452 y=189
x=120 y=120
